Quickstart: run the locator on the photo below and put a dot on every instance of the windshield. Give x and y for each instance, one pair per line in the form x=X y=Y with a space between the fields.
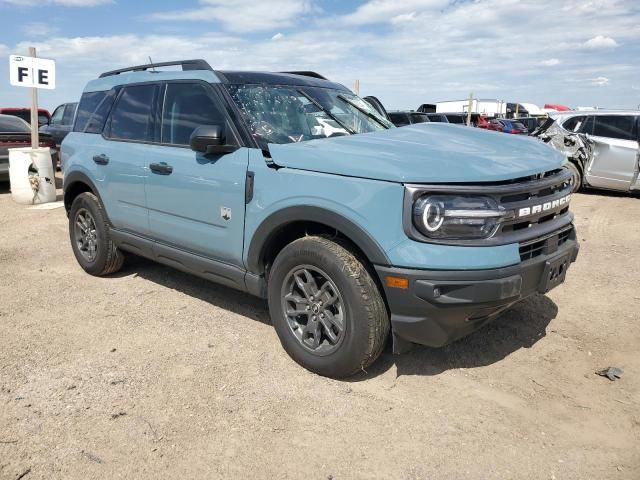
x=287 y=114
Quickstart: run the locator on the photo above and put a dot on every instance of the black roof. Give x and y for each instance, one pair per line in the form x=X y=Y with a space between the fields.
x=275 y=78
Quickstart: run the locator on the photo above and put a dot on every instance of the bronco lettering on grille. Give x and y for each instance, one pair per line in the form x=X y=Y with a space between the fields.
x=543 y=207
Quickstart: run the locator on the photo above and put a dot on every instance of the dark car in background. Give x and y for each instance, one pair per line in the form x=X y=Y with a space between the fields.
x=437 y=117
x=25 y=114
x=513 y=126
x=457 y=118
x=530 y=122
x=16 y=133
x=61 y=122
x=400 y=119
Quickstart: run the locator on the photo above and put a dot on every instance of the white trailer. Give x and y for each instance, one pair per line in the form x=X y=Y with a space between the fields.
x=488 y=107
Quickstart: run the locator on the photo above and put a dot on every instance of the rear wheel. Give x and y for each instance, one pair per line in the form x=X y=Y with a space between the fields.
x=326 y=308
x=90 y=237
x=576 y=177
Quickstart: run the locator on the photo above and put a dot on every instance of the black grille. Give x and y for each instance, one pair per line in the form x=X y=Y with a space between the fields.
x=547 y=244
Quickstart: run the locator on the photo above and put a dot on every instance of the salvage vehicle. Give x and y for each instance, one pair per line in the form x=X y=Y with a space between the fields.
x=61 y=122
x=292 y=188
x=602 y=147
x=16 y=133
x=400 y=119
x=25 y=114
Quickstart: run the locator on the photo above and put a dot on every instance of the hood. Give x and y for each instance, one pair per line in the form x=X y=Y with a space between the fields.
x=423 y=153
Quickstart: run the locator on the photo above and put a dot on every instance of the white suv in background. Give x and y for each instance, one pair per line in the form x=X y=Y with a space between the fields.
x=615 y=163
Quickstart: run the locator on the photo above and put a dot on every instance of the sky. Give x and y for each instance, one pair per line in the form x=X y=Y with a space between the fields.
x=409 y=52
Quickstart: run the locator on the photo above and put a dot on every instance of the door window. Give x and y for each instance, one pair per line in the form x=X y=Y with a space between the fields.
x=69 y=112
x=131 y=117
x=56 y=118
x=186 y=107
x=615 y=126
x=93 y=110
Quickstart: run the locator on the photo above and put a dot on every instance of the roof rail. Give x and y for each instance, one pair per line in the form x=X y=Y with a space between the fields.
x=306 y=73
x=185 y=64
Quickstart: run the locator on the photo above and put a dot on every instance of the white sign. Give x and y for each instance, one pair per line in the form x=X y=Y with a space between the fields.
x=32 y=72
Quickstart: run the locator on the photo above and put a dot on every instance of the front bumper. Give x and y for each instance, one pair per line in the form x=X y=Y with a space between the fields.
x=439 y=306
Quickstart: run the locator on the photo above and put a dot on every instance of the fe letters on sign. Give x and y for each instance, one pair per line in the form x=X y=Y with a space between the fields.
x=32 y=72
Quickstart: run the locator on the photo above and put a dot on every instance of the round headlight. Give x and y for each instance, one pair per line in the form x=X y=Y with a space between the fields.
x=433 y=216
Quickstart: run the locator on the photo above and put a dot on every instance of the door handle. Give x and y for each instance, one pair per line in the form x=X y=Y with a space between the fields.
x=161 y=168
x=101 y=159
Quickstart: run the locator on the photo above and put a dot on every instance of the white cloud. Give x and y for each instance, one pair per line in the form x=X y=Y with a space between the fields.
x=62 y=3
x=437 y=54
x=403 y=18
x=600 y=41
x=382 y=11
x=599 y=81
x=242 y=15
x=552 y=62
x=39 y=29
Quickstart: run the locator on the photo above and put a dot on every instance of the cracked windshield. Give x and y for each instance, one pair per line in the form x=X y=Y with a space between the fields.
x=277 y=114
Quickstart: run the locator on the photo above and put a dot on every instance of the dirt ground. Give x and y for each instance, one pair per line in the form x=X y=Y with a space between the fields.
x=152 y=373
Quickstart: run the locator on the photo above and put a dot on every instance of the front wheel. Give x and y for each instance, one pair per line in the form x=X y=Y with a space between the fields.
x=90 y=237
x=326 y=308
x=576 y=177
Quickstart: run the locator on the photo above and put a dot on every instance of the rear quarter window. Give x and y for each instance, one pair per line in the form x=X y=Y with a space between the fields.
x=93 y=110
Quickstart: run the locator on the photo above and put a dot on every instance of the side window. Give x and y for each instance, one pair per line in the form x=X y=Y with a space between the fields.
x=131 y=117
x=69 y=112
x=56 y=118
x=186 y=107
x=93 y=110
x=573 y=124
x=614 y=126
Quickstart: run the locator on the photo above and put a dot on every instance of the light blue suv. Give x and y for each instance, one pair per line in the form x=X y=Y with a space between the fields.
x=292 y=188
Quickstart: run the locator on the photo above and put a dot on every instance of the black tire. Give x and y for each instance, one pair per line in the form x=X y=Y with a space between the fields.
x=106 y=258
x=365 y=321
x=576 y=177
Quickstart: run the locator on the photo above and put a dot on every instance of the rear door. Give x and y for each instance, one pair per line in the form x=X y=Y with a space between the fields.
x=615 y=160
x=196 y=202
x=121 y=155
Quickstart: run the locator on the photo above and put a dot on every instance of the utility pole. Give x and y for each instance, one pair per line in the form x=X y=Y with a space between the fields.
x=470 y=106
x=35 y=140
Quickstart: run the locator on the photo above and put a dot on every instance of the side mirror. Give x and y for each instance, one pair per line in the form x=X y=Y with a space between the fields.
x=210 y=139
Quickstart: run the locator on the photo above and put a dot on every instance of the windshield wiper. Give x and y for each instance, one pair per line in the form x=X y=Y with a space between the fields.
x=363 y=111
x=327 y=112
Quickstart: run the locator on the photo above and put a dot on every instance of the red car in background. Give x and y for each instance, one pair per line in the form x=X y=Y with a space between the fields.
x=25 y=114
x=489 y=123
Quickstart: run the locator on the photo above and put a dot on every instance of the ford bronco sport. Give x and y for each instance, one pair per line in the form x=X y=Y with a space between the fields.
x=292 y=188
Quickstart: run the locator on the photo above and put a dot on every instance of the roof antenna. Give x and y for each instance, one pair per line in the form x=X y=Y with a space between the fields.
x=153 y=68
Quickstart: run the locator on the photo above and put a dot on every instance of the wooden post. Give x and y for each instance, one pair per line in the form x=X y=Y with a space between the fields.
x=469 y=109
x=35 y=140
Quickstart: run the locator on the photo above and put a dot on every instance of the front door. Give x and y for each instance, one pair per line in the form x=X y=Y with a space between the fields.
x=196 y=202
